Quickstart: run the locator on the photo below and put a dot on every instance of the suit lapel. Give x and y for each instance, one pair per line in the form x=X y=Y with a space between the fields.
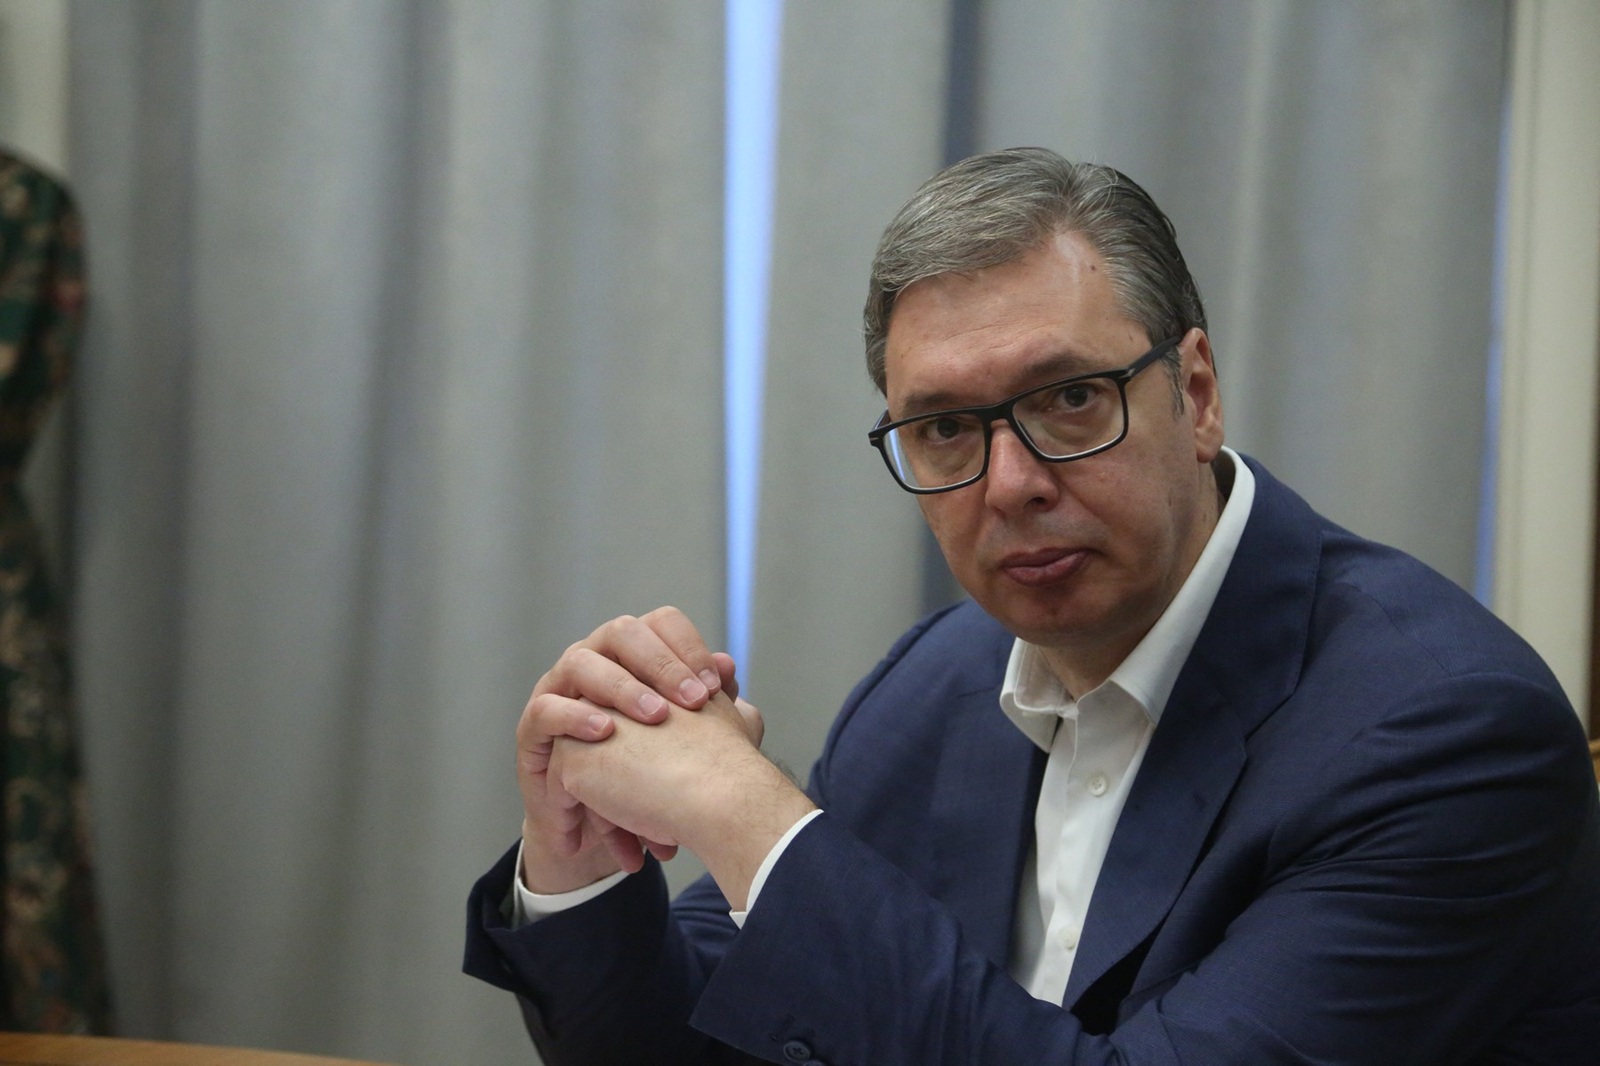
x=982 y=819
x=1245 y=663
x=1188 y=772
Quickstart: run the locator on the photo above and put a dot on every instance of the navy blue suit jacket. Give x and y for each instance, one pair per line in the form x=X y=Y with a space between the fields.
x=1365 y=832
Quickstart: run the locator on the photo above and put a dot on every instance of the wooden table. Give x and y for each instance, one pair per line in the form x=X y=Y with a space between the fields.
x=36 y=1049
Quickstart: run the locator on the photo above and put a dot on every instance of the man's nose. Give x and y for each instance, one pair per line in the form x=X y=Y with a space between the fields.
x=1017 y=479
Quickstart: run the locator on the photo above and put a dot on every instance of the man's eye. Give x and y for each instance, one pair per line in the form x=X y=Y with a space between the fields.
x=940 y=430
x=1076 y=395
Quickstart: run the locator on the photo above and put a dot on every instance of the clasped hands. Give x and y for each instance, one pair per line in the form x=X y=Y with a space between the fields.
x=636 y=741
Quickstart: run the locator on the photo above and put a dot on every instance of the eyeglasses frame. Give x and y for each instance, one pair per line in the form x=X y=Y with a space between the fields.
x=989 y=414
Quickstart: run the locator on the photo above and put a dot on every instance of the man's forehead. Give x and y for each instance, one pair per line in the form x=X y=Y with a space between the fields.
x=960 y=337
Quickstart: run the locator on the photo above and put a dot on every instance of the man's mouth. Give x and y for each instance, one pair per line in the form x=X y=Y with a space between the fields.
x=1042 y=567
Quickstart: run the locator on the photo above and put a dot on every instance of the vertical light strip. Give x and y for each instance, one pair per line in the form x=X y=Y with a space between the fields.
x=754 y=29
x=1489 y=476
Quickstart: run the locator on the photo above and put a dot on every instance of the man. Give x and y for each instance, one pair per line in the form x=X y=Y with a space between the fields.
x=1197 y=776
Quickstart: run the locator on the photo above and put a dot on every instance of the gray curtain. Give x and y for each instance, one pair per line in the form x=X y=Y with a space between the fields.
x=403 y=375
x=404 y=372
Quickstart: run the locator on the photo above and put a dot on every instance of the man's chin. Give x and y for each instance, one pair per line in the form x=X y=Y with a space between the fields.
x=1037 y=619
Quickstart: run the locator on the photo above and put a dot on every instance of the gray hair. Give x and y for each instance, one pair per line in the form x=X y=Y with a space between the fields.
x=992 y=209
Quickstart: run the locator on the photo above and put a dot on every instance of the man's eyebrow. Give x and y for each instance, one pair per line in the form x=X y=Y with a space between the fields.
x=1053 y=367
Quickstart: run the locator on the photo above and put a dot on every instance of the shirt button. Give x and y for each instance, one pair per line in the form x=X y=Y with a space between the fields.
x=797 y=1051
x=1097 y=785
x=1068 y=937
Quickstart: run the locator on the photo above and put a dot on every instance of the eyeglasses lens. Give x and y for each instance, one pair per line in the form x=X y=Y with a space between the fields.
x=1061 y=421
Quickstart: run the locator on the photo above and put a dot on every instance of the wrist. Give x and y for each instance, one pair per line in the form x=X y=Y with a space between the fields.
x=548 y=873
x=746 y=823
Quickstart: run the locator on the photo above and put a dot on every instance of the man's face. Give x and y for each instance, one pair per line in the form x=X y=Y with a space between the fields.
x=1078 y=557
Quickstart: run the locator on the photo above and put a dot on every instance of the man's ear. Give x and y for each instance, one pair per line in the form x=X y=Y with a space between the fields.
x=1201 y=398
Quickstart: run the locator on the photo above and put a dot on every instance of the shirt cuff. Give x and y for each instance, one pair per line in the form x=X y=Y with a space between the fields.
x=525 y=906
x=766 y=866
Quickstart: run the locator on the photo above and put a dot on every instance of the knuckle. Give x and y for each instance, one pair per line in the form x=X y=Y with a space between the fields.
x=525 y=723
x=546 y=683
x=665 y=665
x=532 y=722
x=579 y=657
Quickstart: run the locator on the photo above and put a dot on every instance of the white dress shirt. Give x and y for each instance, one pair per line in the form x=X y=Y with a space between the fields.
x=1095 y=743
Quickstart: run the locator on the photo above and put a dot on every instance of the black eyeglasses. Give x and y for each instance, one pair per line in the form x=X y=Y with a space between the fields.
x=1065 y=420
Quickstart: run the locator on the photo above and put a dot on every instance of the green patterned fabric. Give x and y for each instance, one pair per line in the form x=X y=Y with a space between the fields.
x=52 y=971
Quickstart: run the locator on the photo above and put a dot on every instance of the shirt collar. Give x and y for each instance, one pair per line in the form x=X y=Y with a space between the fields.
x=1035 y=699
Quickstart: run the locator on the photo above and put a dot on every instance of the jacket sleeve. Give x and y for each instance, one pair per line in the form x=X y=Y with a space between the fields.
x=612 y=980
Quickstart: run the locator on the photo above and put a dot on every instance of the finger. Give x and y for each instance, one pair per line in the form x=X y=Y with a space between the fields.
x=549 y=715
x=548 y=805
x=754 y=726
x=679 y=634
x=554 y=782
x=593 y=673
x=662 y=852
x=574 y=829
x=533 y=761
x=597 y=825
x=727 y=671
x=559 y=818
x=625 y=849
x=563 y=829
